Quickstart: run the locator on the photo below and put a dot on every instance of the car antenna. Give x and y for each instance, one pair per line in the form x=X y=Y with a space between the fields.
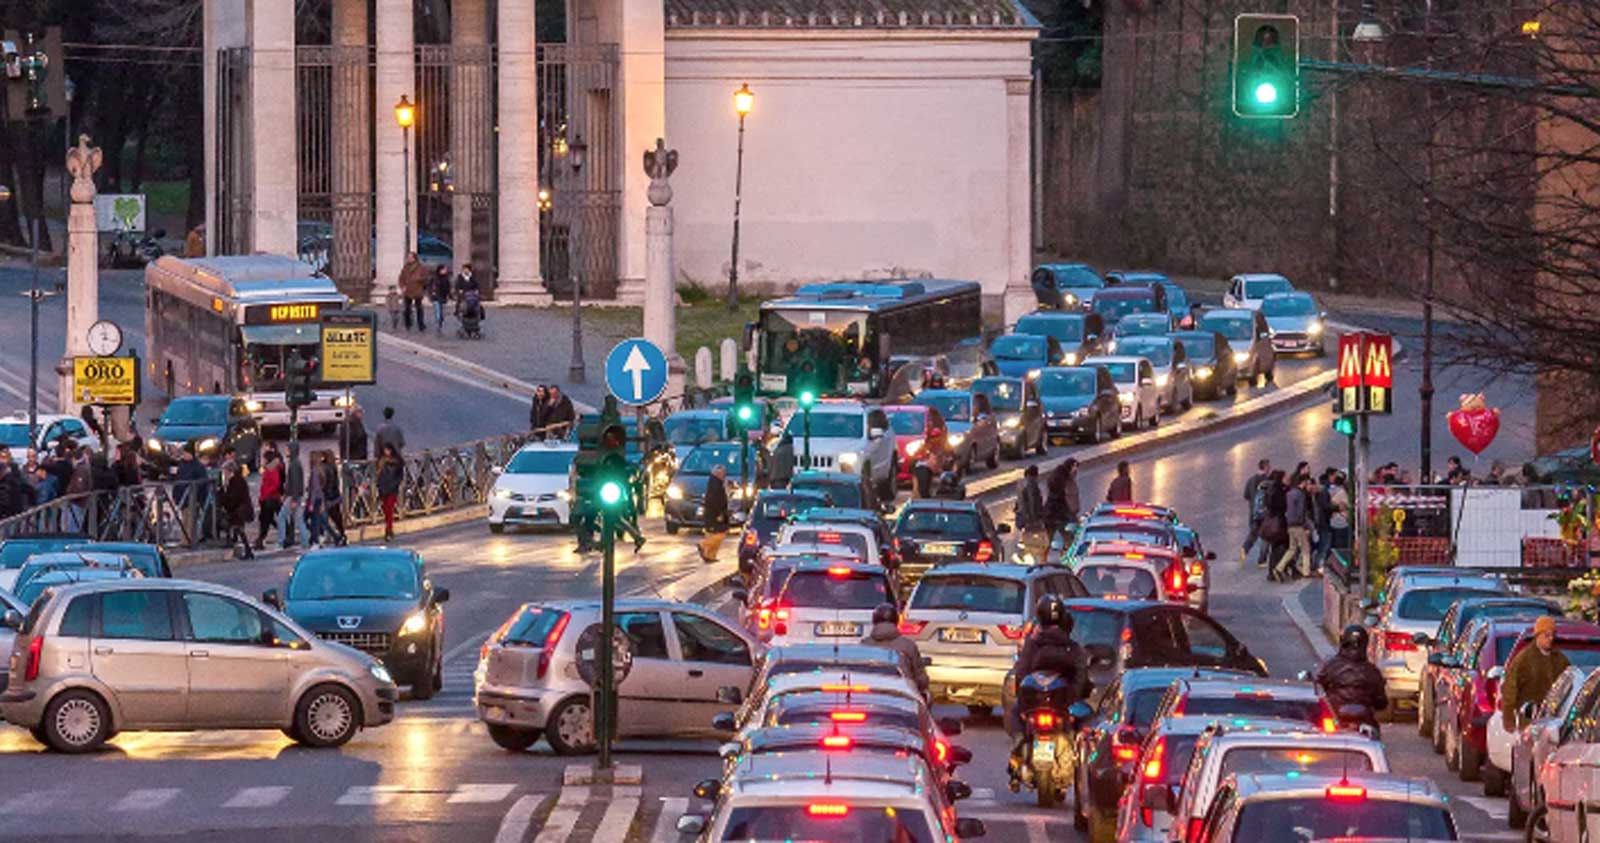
x=827 y=771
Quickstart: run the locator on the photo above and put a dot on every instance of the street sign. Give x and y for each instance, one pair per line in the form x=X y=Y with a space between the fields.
x=1365 y=382
x=349 y=347
x=1347 y=387
x=588 y=654
x=106 y=381
x=636 y=371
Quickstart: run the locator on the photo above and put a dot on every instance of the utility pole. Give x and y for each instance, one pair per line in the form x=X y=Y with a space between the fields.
x=1425 y=391
x=605 y=661
x=1358 y=502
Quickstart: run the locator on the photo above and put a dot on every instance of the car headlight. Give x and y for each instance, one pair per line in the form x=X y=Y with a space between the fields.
x=1315 y=328
x=1202 y=372
x=913 y=447
x=380 y=673
x=1033 y=373
x=207 y=444
x=252 y=405
x=503 y=493
x=1111 y=345
x=848 y=459
x=675 y=492
x=1070 y=299
x=1082 y=412
x=1241 y=356
x=1161 y=379
x=1125 y=397
x=1012 y=423
x=344 y=401
x=415 y=624
x=152 y=444
x=1072 y=358
x=956 y=439
x=563 y=494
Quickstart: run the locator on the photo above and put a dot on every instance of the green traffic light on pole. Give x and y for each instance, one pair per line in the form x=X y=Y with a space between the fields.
x=1345 y=425
x=1266 y=66
x=1266 y=93
x=746 y=413
x=807 y=398
x=610 y=493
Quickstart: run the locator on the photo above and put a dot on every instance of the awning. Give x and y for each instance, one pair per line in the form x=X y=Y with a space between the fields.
x=304 y=333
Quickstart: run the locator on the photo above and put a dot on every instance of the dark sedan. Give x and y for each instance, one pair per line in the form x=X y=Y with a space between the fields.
x=377 y=600
x=1120 y=635
x=771 y=510
x=1066 y=286
x=1081 y=335
x=687 y=492
x=842 y=490
x=204 y=424
x=1080 y=402
x=1117 y=302
x=1212 y=366
x=1017 y=412
x=938 y=532
x=1019 y=354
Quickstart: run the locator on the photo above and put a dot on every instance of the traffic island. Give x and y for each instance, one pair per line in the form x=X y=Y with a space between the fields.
x=618 y=774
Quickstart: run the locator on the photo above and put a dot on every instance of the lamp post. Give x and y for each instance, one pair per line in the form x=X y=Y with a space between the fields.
x=743 y=101
x=575 y=373
x=405 y=114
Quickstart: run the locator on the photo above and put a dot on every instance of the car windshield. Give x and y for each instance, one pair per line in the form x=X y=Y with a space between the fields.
x=1296 y=305
x=1430 y=604
x=826 y=425
x=541 y=462
x=907 y=422
x=1114 y=309
x=856 y=542
x=1004 y=395
x=1502 y=610
x=1016 y=347
x=345 y=575
x=1199 y=347
x=1143 y=704
x=778 y=507
x=1309 y=818
x=1263 y=287
x=811 y=715
x=144 y=557
x=1586 y=656
x=1232 y=327
x=1142 y=325
x=195 y=412
x=693 y=430
x=14 y=552
x=829 y=590
x=1125 y=532
x=532 y=627
x=939 y=522
x=1177 y=299
x=704 y=458
x=1063 y=328
x=1279 y=760
x=14 y=435
x=970 y=593
x=1120 y=372
x=952 y=407
x=826 y=820
x=847 y=495
x=1077 y=276
x=1157 y=351
x=1245 y=703
x=1128 y=580
x=1067 y=382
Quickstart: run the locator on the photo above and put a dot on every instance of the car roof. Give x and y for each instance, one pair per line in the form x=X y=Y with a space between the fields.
x=634 y=604
x=919 y=409
x=850 y=527
x=1141 y=678
x=1147 y=339
x=117 y=547
x=1054 y=314
x=842 y=514
x=151 y=583
x=856 y=565
x=1121 y=549
x=937 y=505
x=852 y=653
x=1054 y=266
x=805 y=700
x=859 y=683
x=1281 y=688
x=802 y=738
x=359 y=553
x=855 y=776
x=1260 y=276
x=201 y=399
x=703 y=412
x=1146 y=317
x=1289 y=294
x=944 y=393
x=82 y=556
x=1125 y=291
x=549 y=445
x=1112 y=604
x=1274 y=732
x=1138 y=274
x=786 y=494
x=1229 y=313
x=985 y=569
x=1380 y=785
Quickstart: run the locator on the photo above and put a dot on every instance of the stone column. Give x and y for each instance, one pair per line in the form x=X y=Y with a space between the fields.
x=350 y=263
x=518 y=178
x=471 y=120
x=274 y=160
x=660 y=294
x=83 y=272
x=396 y=76
x=1018 y=295
x=224 y=26
x=644 y=118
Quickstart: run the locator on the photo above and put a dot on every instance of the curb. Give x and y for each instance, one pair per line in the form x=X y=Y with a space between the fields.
x=357 y=535
x=397 y=345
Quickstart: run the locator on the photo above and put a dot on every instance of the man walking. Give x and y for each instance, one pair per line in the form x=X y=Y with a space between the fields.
x=439 y=294
x=1530 y=675
x=390 y=433
x=294 y=501
x=1255 y=506
x=716 y=514
x=1121 y=488
x=1297 y=517
x=1030 y=516
x=413 y=282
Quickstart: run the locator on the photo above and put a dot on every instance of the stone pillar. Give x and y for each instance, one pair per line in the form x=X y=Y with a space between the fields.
x=1018 y=295
x=518 y=178
x=660 y=294
x=643 y=114
x=350 y=263
x=274 y=159
x=83 y=272
x=396 y=76
x=471 y=120
x=224 y=26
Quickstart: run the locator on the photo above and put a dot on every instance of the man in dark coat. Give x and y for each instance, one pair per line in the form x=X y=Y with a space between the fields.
x=1349 y=679
x=559 y=411
x=716 y=514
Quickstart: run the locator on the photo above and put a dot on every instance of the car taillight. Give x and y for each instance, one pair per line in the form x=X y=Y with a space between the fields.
x=1135 y=512
x=1197 y=569
x=838 y=571
x=1012 y=633
x=1177 y=579
x=827 y=809
x=1155 y=766
x=846 y=689
x=750 y=538
x=550 y=642
x=848 y=716
x=1197 y=825
x=1346 y=792
x=985 y=551
x=941 y=751
x=1400 y=642
x=837 y=742
x=911 y=627
x=1330 y=724
x=35 y=653
x=1044 y=721
x=829 y=538
x=1125 y=744
x=1124 y=753
x=767 y=615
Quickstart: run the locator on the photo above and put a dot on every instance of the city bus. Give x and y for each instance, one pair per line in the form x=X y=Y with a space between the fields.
x=836 y=338
x=225 y=325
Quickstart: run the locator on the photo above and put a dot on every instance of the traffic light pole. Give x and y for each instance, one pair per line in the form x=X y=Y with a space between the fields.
x=807 y=431
x=1358 y=503
x=605 y=661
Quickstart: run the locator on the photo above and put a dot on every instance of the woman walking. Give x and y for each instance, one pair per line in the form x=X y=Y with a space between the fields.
x=236 y=506
x=333 y=497
x=316 y=518
x=390 y=474
x=271 y=497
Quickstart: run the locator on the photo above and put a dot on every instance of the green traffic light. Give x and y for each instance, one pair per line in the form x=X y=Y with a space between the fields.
x=1266 y=93
x=746 y=412
x=807 y=398
x=1345 y=425
x=610 y=492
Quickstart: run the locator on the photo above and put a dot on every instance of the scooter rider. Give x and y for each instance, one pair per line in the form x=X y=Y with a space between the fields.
x=1349 y=679
x=886 y=633
x=1052 y=649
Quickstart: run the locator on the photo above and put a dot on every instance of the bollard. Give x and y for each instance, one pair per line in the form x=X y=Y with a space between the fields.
x=702 y=368
x=728 y=354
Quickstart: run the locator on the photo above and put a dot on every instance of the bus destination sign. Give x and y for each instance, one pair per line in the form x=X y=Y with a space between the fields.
x=349 y=340
x=106 y=381
x=282 y=314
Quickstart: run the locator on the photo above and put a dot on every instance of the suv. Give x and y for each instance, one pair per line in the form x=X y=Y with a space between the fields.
x=97 y=658
x=846 y=435
x=685 y=661
x=205 y=424
x=1080 y=402
x=535 y=488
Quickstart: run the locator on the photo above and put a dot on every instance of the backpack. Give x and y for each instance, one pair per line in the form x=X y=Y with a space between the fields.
x=1258 y=501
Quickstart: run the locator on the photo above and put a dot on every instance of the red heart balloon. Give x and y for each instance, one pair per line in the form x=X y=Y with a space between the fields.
x=1474 y=428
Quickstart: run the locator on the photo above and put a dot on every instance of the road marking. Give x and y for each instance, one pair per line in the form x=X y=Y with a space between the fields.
x=1308 y=627
x=983 y=793
x=619 y=815
x=1497 y=809
x=30 y=802
x=1496 y=836
x=257 y=797
x=1036 y=830
x=1015 y=814
x=672 y=807
x=379 y=794
x=455 y=652
x=517 y=820
x=146 y=799
x=563 y=818
x=477 y=793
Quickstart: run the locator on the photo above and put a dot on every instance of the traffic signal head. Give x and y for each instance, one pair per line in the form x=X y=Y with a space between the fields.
x=1266 y=66
x=1344 y=425
x=807 y=398
x=610 y=493
x=744 y=401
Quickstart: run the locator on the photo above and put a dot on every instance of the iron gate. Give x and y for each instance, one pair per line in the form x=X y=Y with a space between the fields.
x=455 y=154
x=336 y=207
x=232 y=197
x=579 y=224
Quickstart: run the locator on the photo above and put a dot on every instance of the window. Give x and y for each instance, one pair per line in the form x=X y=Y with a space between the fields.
x=218 y=620
x=1205 y=639
x=1154 y=640
x=75 y=429
x=78 y=619
x=703 y=640
x=135 y=614
x=644 y=631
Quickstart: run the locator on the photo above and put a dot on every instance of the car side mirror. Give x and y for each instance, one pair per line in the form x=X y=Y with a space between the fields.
x=1496 y=673
x=708 y=789
x=730 y=694
x=271 y=598
x=960 y=755
x=970 y=827
x=950 y=725
x=1157 y=799
x=739 y=595
x=691 y=824
x=1211 y=556
x=441 y=595
x=724 y=722
x=957 y=790
x=1002 y=528
x=12 y=619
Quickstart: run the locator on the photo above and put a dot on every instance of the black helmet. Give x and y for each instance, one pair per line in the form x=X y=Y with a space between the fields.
x=1354 y=637
x=886 y=613
x=1050 y=611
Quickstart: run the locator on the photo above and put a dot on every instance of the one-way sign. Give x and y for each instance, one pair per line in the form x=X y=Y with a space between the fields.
x=636 y=371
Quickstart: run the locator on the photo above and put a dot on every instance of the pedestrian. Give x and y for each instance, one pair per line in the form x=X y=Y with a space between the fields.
x=439 y=293
x=466 y=282
x=269 y=498
x=1455 y=472
x=1274 y=529
x=1322 y=518
x=715 y=520
x=1062 y=503
x=559 y=412
x=194 y=243
x=10 y=489
x=316 y=515
x=1298 y=520
x=780 y=466
x=1121 y=488
x=885 y=633
x=1256 y=508
x=333 y=497
x=293 y=509
x=357 y=436
x=391 y=472
x=536 y=410
x=236 y=507
x=389 y=434
x=1531 y=672
x=413 y=284
x=1339 y=515
x=91 y=422
x=44 y=486
x=1030 y=516
x=128 y=471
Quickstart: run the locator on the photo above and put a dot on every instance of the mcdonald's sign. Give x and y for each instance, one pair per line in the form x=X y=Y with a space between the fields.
x=1365 y=381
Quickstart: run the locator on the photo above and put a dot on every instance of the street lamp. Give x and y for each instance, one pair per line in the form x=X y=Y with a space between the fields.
x=1369 y=30
x=743 y=101
x=576 y=152
x=405 y=114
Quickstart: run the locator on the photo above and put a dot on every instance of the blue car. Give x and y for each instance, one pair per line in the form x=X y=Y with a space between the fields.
x=1019 y=354
x=1178 y=305
x=1081 y=335
x=1066 y=286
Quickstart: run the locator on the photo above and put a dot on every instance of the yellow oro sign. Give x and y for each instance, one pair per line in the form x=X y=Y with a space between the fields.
x=106 y=381
x=349 y=348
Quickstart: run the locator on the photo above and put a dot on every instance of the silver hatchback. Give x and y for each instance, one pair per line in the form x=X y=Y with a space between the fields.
x=95 y=658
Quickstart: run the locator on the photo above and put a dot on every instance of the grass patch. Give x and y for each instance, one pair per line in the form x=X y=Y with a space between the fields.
x=703 y=320
x=166 y=198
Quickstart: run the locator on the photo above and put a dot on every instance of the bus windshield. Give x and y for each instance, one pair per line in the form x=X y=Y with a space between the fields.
x=820 y=339
x=263 y=363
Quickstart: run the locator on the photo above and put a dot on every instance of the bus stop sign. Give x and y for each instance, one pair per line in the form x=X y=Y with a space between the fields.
x=636 y=371
x=349 y=347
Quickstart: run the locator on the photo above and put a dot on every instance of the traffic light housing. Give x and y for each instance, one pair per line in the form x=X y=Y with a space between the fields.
x=602 y=478
x=299 y=373
x=1266 y=66
x=1345 y=425
x=745 y=416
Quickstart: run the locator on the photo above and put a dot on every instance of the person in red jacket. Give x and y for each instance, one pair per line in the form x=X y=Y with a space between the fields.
x=271 y=496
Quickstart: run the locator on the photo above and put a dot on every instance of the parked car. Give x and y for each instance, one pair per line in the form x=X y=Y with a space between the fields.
x=1546 y=726
x=1171 y=363
x=1018 y=355
x=1212 y=369
x=1066 y=286
x=971 y=431
x=1249 y=337
x=1444 y=640
x=1137 y=391
x=1296 y=322
x=1080 y=334
x=1579 y=641
x=1248 y=290
x=1018 y=413
x=1080 y=402
x=1469 y=697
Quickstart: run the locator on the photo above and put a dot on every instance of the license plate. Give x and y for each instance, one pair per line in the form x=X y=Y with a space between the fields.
x=941 y=548
x=834 y=629
x=960 y=635
x=494 y=712
x=1044 y=751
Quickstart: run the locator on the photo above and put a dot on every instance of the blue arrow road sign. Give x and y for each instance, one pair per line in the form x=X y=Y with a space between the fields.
x=636 y=371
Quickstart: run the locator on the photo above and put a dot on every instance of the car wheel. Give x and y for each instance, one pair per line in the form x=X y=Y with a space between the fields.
x=1436 y=732
x=497 y=529
x=1096 y=436
x=1044 y=443
x=39 y=734
x=327 y=716
x=994 y=458
x=1155 y=418
x=430 y=680
x=570 y=729
x=1424 y=715
x=1469 y=761
x=1494 y=781
x=75 y=722
x=1452 y=761
x=515 y=740
x=672 y=528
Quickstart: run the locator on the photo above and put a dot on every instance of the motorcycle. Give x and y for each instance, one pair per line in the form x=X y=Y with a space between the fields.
x=1048 y=723
x=128 y=249
x=1352 y=717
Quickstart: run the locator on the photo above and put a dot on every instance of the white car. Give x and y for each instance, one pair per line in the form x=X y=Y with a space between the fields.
x=1246 y=291
x=535 y=488
x=834 y=539
x=845 y=435
x=1137 y=390
x=1571 y=776
x=52 y=428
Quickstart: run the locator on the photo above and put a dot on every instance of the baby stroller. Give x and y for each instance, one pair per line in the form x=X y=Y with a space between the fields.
x=471 y=315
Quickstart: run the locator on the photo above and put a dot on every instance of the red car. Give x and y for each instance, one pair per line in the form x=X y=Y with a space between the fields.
x=916 y=428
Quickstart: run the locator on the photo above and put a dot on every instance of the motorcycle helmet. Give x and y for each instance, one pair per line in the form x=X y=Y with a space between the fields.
x=1050 y=611
x=886 y=613
x=1354 y=637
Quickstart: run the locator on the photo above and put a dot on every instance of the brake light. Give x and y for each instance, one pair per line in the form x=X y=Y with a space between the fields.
x=911 y=627
x=1137 y=512
x=941 y=751
x=1330 y=724
x=750 y=539
x=1155 y=766
x=550 y=642
x=985 y=551
x=1044 y=720
x=1132 y=555
x=846 y=689
x=1346 y=792
x=1012 y=633
x=1125 y=744
x=1197 y=825
x=1486 y=698
x=827 y=809
x=1398 y=642
x=769 y=613
x=1125 y=753
x=848 y=716
x=837 y=742
x=1197 y=569
x=1177 y=579
x=828 y=538
x=838 y=571
x=35 y=654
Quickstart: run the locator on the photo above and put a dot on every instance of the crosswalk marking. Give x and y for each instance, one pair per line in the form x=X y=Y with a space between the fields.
x=474 y=793
x=1497 y=809
x=672 y=807
x=31 y=802
x=258 y=797
x=565 y=815
x=1036 y=830
x=146 y=799
x=379 y=794
x=619 y=814
x=517 y=820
